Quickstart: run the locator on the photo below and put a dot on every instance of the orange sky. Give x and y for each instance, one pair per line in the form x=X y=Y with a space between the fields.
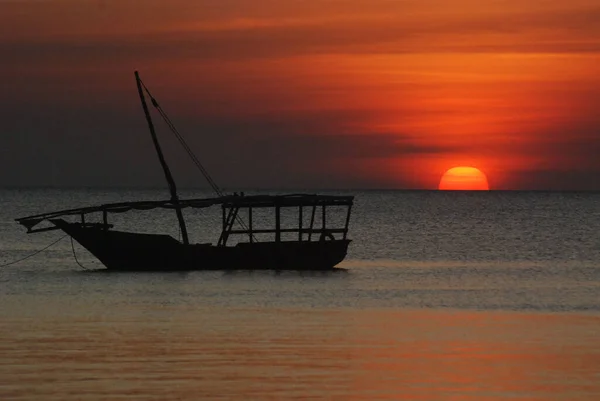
x=304 y=94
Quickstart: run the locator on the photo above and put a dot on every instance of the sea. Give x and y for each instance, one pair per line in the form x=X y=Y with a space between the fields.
x=443 y=296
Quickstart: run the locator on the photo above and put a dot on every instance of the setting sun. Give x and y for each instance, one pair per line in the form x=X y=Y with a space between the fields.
x=464 y=178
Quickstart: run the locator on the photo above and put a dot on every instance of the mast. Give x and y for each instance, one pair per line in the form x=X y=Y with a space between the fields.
x=163 y=162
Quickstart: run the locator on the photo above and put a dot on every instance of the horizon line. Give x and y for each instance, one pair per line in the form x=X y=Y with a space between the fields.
x=287 y=189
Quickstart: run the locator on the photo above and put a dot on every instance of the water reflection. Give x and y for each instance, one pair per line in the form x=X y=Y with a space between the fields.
x=478 y=356
x=187 y=352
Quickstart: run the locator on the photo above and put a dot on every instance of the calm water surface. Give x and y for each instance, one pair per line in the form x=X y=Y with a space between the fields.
x=446 y=296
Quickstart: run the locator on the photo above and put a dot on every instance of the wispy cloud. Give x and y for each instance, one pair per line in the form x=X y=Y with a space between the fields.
x=310 y=86
x=377 y=29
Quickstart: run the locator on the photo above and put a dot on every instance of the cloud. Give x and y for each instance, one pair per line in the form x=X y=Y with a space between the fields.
x=325 y=159
x=100 y=148
x=573 y=147
x=555 y=180
x=537 y=30
x=313 y=147
x=61 y=73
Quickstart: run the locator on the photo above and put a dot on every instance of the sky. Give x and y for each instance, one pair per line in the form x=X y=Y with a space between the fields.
x=302 y=94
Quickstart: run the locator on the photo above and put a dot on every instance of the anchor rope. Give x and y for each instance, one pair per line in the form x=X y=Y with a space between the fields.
x=35 y=253
x=75 y=256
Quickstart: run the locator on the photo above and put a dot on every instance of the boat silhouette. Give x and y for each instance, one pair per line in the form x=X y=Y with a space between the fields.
x=316 y=245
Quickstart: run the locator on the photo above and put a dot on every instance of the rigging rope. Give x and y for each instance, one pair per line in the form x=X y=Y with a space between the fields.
x=190 y=152
x=183 y=143
x=33 y=254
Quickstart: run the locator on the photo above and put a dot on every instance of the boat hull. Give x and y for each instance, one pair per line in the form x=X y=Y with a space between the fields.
x=124 y=251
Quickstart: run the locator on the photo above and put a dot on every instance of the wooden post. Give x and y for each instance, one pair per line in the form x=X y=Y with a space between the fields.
x=300 y=223
x=224 y=226
x=347 y=221
x=231 y=216
x=312 y=222
x=105 y=219
x=250 y=224
x=224 y=217
x=277 y=223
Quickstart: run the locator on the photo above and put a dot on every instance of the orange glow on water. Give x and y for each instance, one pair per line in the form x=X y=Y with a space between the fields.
x=464 y=178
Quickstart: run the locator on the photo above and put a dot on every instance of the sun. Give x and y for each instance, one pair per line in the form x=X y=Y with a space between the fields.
x=464 y=179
